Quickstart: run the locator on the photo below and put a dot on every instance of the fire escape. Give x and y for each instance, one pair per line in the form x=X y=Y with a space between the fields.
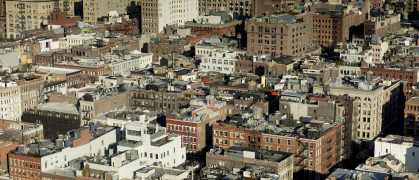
x=300 y=156
x=22 y=18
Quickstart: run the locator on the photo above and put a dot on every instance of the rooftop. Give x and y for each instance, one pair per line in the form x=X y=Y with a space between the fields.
x=56 y=70
x=58 y=107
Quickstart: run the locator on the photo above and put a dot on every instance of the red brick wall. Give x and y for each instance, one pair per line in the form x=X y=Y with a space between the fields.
x=21 y=163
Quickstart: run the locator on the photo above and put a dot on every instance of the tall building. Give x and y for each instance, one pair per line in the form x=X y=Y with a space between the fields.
x=276 y=35
x=2 y=7
x=208 y=6
x=94 y=9
x=332 y=23
x=22 y=15
x=411 y=117
x=380 y=102
x=156 y=14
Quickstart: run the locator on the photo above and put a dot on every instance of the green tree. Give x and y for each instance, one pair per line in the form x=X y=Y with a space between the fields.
x=86 y=171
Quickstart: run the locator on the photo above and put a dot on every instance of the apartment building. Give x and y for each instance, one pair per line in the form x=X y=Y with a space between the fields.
x=31 y=90
x=28 y=161
x=410 y=76
x=333 y=23
x=208 y=6
x=314 y=153
x=153 y=144
x=381 y=23
x=380 y=102
x=94 y=9
x=379 y=48
x=194 y=124
x=22 y=15
x=5 y=148
x=10 y=98
x=275 y=35
x=156 y=14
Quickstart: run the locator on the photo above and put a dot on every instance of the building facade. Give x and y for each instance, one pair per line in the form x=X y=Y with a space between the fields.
x=276 y=35
x=94 y=9
x=156 y=14
x=219 y=61
x=23 y=16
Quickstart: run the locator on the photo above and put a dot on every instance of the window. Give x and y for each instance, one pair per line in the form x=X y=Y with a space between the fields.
x=413 y=153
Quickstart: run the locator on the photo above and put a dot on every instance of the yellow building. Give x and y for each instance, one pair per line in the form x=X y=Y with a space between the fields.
x=25 y=15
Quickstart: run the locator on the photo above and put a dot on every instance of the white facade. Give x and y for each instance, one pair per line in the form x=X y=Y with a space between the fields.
x=10 y=101
x=130 y=63
x=378 y=51
x=349 y=71
x=219 y=61
x=94 y=147
x=354 y=54
x=48 y=45
x=76 y=40
x=407 y=151
x=178 y=12
x=153 y=147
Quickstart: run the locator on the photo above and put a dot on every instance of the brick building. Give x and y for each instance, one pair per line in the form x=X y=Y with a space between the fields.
x=220 y=23
x=127 y=27
x=57 y=118
x=31 y=90
x=408 y=75
x=270 y=67
x=276 y=35
x=55 y=74
x=332 y=24
x=5 y=148
x=381 y=24
x=315 y=153
x=61 y=18
x=411 y=117
x=158 y=100
x=89 y=74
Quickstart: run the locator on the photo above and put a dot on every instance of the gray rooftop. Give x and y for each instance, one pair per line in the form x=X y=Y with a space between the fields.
x=58 y=107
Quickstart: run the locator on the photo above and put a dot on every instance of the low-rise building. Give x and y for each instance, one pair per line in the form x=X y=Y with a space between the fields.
x=219 y=61
x=30 y=160
x=279 y=163
x=401 y=147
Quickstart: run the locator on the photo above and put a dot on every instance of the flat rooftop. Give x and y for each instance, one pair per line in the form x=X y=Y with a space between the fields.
x=56 y=70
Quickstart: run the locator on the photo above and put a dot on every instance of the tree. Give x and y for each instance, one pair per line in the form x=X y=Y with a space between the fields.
x=86 y=171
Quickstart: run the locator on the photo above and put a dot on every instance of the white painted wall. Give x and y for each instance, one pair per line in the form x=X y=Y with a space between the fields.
x=407 y=154
x=61 y=158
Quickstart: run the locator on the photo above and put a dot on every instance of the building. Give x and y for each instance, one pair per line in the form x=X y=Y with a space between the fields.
x=342 y=174
x=333 y=23
x=57 y=118
x=208 y=6
x=10 y=93
x=94 y=9
x=55 y=74
x=32 y=91
x=5 y=148
x=305 y=147
x=407 y=75
x=220 y=23
x=194 y=124
x=401 y=147
x=241 y=157
x=28 y=161
x=275 y=35
x=24 y=15
x=77 y=40
x=380 y=102
x=3 y=27
x=89 y=74
x=155 y=15
x=411 y=117
x=102 y=101
x=379 y=49
x=158 y=100
x=219 y=61
x=130 y=63
x=153 y=144
x=381 y=23
x=240 y=7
